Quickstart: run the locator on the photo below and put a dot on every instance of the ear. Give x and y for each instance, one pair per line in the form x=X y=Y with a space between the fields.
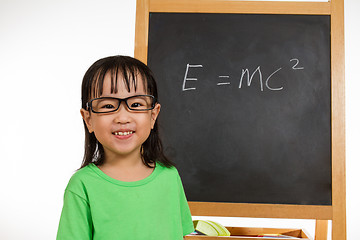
x=87 y=119
x=154 y=114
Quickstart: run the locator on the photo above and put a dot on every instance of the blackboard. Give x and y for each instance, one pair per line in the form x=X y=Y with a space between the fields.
x=246 y=104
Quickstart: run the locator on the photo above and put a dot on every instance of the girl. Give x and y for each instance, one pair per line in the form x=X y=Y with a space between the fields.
x=126 y=188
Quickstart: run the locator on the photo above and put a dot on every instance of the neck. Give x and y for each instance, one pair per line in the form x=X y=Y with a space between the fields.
x=124 y=161
x=125 y=168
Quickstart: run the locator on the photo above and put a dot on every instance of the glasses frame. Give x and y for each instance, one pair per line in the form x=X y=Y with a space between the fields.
x=89 y=103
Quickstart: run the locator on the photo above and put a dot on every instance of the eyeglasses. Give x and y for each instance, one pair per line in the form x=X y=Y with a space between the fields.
x=111 y=104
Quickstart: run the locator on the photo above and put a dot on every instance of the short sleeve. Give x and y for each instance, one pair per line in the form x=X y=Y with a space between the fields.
x=186 y=219
x=75 y=221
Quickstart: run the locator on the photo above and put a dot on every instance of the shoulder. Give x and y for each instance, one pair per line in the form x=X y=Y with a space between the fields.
x=80 y=179
x=170 y=174
x=81 y=174
x=168 y=170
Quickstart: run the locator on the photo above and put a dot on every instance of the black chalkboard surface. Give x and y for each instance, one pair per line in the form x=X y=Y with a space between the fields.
x=246 y=104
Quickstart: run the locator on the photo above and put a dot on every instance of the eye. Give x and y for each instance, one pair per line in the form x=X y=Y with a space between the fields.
x=105 y=104
x=137 y=105
x=108 y=106
x=140 y=102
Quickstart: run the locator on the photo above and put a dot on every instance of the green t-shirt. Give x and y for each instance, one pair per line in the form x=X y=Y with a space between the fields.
x=98 y=207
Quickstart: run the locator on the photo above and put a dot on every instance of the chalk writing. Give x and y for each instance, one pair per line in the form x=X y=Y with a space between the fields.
x=267 y=82
x=223 y=83
x=249 y=79
x=186 y=78
x=246 y=76
x=297 y=62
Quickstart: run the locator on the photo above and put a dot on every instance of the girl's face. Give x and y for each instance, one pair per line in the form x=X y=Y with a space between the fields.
x=121 y=133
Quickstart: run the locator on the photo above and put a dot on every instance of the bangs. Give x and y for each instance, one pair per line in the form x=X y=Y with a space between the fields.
x=129 y=75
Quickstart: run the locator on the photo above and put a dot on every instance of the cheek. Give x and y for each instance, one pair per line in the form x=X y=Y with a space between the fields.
x=100 y=125
x=147 y=124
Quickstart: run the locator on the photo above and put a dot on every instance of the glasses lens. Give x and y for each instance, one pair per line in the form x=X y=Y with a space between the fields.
x=140 y=103
x=104 y=105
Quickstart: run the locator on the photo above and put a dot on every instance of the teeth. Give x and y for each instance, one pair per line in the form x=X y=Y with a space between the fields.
x=123 y=133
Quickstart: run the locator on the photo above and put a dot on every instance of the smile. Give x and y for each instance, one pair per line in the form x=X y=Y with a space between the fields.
x=123 y=133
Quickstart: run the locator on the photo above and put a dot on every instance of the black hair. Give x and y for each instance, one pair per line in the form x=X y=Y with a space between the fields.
x=129 y=70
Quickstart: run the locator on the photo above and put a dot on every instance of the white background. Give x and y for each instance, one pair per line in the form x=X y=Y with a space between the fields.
x=45 y=48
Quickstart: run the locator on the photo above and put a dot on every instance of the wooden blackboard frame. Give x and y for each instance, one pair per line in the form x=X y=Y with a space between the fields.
x=335 y=9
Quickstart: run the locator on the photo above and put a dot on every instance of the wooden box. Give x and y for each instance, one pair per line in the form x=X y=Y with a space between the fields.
x=246 y=233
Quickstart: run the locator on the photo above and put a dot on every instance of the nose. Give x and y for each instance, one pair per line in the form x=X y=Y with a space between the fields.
x=122 y=115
